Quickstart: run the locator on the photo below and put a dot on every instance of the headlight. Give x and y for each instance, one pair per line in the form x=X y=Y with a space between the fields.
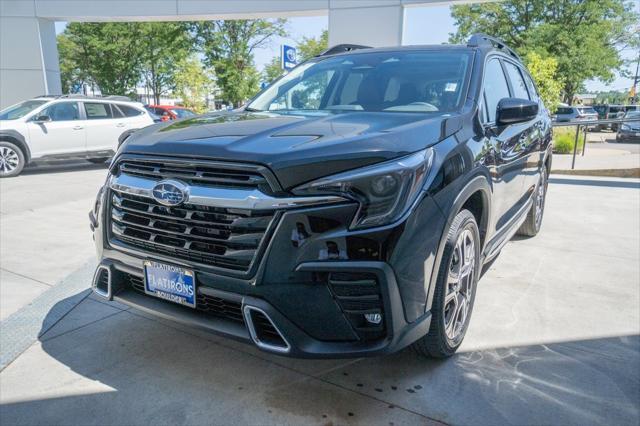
x=625 y=127
x=385 y=191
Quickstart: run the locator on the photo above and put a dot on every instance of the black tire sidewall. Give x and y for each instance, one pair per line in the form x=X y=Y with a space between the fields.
x=545 y=183
x=463 y=220
x=21 y=159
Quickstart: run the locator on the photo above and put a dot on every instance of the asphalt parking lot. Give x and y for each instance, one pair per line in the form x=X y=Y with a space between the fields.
x=554 y=338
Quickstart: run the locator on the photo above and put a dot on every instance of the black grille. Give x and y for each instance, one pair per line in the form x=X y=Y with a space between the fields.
x=220 y=237
x=194 y=174
x=359 y=294
x=215 y=306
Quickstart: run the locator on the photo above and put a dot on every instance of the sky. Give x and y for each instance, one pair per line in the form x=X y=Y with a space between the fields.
x=423 y=25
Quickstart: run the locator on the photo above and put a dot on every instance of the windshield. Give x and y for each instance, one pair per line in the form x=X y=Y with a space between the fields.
x=632 y=114
x=20 y=110
x=182 y=113
x=587 y=111
x=412 y=81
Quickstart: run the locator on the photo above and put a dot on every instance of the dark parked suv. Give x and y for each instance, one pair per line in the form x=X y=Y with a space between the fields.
x=348 y=210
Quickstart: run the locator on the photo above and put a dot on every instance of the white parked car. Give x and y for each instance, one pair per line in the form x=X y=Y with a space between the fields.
x=68 y=126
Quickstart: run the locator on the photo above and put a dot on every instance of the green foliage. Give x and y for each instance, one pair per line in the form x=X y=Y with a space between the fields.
x=193 y=83
x=107 y=54
x=115 y=56
x=584 y=36
x=564 y=139
x=272 y=70
x=612 y=97
x=228 y=47
x=163 y=45
x=544 y=73
x=307 y=48
x=312 y=46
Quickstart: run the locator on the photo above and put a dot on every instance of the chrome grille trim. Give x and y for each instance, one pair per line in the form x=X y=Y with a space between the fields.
x=248 y=199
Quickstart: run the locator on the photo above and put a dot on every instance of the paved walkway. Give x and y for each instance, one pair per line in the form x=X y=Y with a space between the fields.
x=554 y=339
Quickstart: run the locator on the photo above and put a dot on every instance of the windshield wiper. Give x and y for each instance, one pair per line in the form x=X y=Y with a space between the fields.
x=249 y=109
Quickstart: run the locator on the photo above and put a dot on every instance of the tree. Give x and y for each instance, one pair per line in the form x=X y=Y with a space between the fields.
x=272 y=70
x=193 y=83
x=109 y=53
x=584 y=36
x=307 y=48
x=73 y=75
x=312 y=46
x=544 y=72
x=162 y=46
x=228 y=47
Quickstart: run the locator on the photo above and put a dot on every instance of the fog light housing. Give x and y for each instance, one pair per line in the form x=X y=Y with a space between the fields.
x=375 y=318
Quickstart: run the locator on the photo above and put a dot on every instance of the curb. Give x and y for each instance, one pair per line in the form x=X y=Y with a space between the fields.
x=620 y=173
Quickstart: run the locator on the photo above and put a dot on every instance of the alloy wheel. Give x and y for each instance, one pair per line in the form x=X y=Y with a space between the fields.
x=9 y=160
x=460 y=286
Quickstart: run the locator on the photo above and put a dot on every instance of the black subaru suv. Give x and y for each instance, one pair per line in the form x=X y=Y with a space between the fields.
x=349 y=209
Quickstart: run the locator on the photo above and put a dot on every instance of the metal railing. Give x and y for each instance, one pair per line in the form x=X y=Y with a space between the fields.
x=584 y=124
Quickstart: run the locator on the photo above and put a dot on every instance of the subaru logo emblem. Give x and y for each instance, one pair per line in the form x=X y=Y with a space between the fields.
x=170 y=193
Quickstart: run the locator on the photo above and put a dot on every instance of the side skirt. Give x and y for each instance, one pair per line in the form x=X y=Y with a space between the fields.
x=502 y=237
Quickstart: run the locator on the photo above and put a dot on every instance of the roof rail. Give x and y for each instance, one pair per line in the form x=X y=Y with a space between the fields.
x=479 y=40
x=341 y=48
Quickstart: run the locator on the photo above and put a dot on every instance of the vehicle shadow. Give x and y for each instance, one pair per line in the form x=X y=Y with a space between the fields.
x=37 y=168
x=127 y=368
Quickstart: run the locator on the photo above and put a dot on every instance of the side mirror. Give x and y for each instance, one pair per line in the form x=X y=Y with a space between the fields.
x=515 y=110
x=42 y=119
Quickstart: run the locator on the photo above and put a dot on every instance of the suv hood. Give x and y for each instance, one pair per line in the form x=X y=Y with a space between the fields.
x=297 y=148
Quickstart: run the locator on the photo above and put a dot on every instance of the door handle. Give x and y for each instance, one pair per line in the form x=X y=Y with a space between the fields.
x=78 y=128
x=120 y=125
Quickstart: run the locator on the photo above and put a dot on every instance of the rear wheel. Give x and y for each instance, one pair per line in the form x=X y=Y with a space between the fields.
x=533 y=222
x=12 y=160
x=455 y=289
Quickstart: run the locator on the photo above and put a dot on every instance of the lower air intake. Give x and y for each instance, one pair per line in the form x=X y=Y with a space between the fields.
x=263 y=331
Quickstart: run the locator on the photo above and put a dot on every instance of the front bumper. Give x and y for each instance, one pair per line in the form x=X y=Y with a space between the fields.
x=296 y=342
x=293 y=286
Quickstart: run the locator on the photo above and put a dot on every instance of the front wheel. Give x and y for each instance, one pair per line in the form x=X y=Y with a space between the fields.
x=455 y=289
x=12 y=160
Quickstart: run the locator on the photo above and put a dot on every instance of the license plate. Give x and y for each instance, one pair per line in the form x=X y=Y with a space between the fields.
x=170 y=283
x=638 y=134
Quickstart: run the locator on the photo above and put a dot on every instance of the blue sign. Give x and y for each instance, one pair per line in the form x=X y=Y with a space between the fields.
x=288 y=58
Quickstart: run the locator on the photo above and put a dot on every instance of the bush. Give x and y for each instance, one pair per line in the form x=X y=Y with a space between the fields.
x=563 y=139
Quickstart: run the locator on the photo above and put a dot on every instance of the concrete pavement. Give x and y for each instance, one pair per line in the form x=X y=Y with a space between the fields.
x=554 y=338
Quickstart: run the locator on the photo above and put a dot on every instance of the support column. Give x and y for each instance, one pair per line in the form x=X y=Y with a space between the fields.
x=375 y=23
x=28 y=59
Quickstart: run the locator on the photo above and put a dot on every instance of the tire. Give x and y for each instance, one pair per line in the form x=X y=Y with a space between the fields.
x=99 y=160
x=447 y=329
x=531 y=226
x=12 y=160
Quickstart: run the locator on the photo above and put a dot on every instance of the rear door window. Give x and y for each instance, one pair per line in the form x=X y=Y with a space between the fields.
x=97 y=110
